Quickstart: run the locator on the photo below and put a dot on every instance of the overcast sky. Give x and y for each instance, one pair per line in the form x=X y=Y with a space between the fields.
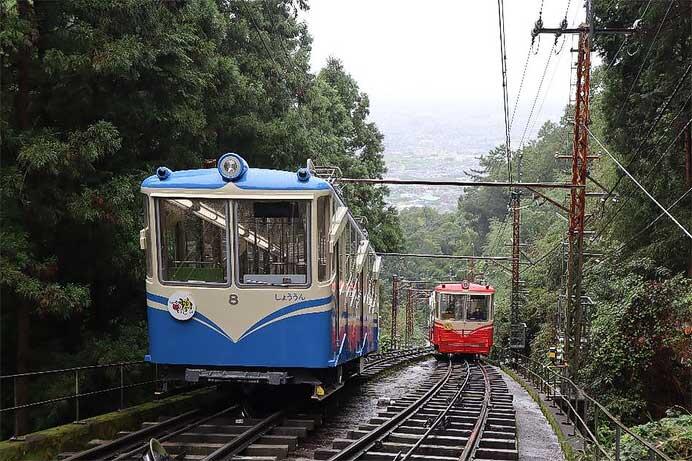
x=443 y=52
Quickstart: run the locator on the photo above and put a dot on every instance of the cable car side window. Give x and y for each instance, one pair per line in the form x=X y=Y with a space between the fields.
x=147 y=233
x=324 y=256
x=272 y=242
x=193 y=236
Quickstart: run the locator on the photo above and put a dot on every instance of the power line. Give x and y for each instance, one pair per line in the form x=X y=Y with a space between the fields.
x=270 y=54
x=281 y=44
x=545 y=94
x=624 y=40
x=259 y=34
x=545 y=255
x=650 y=171
x=505 y=98
x=555 y=69
x=641 y=68
x=634 y=237
x=611 y=219
x=521 y=85
x=535 y=99
x=651 y=197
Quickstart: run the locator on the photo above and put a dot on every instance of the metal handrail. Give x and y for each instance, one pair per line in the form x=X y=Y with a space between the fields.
x=66 y=370
x=562 y=383
x=76 y=395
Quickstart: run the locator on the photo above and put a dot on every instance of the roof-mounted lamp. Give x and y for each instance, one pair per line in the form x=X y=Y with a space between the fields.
x=231 y=166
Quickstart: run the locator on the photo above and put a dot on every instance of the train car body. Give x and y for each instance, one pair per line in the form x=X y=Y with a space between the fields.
x=256 y=275
x=462 y=318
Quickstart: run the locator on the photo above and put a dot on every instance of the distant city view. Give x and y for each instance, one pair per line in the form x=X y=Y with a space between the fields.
x=441 y=144
x=444 y=143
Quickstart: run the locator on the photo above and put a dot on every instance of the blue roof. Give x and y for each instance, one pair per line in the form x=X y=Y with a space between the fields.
x=254 y=178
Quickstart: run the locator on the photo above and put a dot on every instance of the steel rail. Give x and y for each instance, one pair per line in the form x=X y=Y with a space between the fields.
x=242 y=441
x=407 y=354
x=113 y=445
x=475 y=437
x=140 y=447
x=364 y=444
x=440 y=417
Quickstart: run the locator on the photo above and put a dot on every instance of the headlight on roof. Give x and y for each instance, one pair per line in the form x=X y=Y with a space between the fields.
x=231 y=166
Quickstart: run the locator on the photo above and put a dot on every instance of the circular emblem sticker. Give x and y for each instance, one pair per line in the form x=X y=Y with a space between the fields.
x=181 y=305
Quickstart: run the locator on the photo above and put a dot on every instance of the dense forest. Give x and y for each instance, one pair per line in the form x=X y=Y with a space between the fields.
x=96 y=94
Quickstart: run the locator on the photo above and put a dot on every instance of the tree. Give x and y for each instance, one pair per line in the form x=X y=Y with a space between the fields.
x=98 y=94
x=646 y=105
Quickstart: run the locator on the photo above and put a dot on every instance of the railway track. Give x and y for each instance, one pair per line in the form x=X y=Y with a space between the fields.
x=224 y=435
x=227 y=434
x=462 y=412
x=377 y=363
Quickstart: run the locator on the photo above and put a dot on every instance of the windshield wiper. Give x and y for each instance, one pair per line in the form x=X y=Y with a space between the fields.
x=269 y=284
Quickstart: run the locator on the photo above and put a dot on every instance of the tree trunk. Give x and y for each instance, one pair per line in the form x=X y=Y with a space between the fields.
x=21 y=419
x=23 y=61
x=23 y=318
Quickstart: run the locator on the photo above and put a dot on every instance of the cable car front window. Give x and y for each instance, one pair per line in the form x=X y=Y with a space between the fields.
x=451 y=307
x=477 y=310
x=272 y=242
x=194 y=240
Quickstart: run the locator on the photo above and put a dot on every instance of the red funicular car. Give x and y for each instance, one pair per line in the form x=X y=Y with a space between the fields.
x=462 y=318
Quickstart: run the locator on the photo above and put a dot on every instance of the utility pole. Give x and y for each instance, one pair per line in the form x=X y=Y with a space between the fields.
x=472 y=266
x=575 y=235
x=574 y=312
x=517 y=338
x=688 y=179
x=409 y=317
x=395 y=310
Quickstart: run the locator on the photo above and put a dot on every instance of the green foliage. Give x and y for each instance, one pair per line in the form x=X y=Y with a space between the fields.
x=95 y=95
x=644 y=101
x=672 y=436
x=639 y=353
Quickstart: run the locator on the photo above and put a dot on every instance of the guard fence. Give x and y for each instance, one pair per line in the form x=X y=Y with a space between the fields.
x=602 y=434
x=71 y=394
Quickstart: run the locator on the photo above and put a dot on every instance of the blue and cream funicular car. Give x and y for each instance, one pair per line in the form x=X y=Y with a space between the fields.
x=256 y=275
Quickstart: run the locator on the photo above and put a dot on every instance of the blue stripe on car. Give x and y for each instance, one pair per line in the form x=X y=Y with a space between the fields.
x=157 y=298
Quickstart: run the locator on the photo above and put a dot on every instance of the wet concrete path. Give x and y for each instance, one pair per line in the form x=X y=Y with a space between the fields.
x=535 y=438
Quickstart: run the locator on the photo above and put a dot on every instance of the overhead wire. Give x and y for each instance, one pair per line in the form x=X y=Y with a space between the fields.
x=521 y=85
x=505 y=98
x=555 y=69
x=641 y=145
x=615 y=252
x=661 y=156
x=535 y=99
x=646 y=57
x=626 y=37
x=544 y=256
x=633 y=179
